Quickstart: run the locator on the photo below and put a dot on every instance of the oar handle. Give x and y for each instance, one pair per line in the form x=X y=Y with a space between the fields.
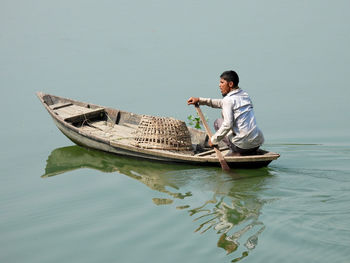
x=222 y=161
x=205 y=124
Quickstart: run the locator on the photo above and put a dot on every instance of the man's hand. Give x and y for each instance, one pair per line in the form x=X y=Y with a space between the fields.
x=210 y=143
x=192 y=100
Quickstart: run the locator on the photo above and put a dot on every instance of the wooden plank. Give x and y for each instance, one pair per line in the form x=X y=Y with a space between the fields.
x=119 y=133
x=74 y=110
x=210 y=151
x=60 y=105
x=69 y=111
x=85 y=115
x=112 y=117
x=122 y=134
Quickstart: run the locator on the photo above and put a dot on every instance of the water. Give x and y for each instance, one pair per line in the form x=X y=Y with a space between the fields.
x=63 y=203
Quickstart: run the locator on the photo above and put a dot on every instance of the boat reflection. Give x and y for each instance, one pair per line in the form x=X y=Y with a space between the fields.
x=232 y=210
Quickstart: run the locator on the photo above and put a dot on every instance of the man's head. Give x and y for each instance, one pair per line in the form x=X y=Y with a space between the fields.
x=228 y=81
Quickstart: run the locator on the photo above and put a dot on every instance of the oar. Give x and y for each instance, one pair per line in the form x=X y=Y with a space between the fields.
x=223 y=163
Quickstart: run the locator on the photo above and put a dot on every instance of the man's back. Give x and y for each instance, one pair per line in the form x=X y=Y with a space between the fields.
x=247 y=134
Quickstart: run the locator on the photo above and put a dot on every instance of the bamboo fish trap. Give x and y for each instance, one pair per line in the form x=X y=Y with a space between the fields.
x=163 y=134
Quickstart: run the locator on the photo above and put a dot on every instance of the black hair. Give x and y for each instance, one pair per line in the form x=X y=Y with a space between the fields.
x=230 y=75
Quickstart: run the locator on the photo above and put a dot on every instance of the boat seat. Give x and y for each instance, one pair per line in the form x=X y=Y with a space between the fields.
x=60 y=105
x=85 y=114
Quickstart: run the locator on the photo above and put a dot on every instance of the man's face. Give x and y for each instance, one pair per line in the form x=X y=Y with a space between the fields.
x=225 y=87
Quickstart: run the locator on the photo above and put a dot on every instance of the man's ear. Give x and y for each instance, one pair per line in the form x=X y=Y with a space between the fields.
x=231 y=84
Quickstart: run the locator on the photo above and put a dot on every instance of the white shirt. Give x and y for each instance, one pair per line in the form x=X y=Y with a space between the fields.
x=239 y=121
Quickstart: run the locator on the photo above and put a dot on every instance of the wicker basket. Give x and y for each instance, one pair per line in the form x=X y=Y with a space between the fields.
x=163 y=134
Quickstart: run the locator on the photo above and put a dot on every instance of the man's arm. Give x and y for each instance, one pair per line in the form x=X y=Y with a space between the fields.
x=214 y=103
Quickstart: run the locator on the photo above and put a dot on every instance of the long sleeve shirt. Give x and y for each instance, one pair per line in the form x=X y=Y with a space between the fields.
x=239 y=121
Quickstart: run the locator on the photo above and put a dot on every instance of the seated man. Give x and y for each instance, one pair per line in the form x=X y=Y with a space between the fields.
x=238 y=127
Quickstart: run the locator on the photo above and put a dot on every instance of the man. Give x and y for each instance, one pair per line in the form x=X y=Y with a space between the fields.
x=238 y=127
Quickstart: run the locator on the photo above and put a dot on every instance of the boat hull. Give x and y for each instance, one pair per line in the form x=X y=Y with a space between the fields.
x=103 y=146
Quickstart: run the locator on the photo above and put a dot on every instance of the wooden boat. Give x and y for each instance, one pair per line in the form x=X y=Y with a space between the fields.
x=111 y=130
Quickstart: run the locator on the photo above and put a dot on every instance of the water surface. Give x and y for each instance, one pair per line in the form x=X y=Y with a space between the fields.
x=63 y=203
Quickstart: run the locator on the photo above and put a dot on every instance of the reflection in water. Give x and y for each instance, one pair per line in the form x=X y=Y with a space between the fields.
x=70 y=158
x=233 y=211
x=232 y=214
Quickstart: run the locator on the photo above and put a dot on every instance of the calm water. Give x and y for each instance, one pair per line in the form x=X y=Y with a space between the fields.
x=63 y=203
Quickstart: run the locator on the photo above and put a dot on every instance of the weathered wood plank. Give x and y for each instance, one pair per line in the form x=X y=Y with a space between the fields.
x=69 y=111
x=210 y=151
x=84 y=115
x=112 y=116
x=73 y=110
x=60 y=105
x=120 y=133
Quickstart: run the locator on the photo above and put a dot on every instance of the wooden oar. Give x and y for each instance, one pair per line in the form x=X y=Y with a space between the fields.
x=223 y=163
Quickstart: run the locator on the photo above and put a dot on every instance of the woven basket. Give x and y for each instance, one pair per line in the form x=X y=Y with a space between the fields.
x=163 y=134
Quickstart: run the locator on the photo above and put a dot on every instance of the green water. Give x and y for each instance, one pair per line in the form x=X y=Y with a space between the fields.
x=63 y=203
